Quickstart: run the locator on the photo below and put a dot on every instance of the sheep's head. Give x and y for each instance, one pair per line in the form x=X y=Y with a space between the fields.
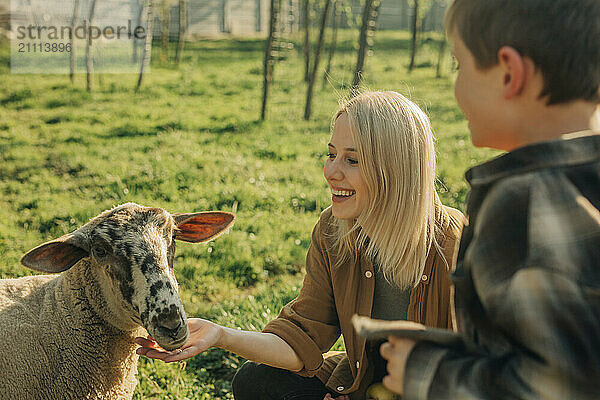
x=133 y=248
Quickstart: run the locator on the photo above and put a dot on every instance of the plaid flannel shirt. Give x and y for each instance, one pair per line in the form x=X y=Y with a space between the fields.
x=527 y=283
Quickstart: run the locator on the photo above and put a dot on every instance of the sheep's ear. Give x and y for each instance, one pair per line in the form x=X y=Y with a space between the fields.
x=57 y=255
x=202 y=226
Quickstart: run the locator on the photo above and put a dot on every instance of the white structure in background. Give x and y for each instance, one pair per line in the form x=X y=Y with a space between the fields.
x=246 y=17
x=251 y=17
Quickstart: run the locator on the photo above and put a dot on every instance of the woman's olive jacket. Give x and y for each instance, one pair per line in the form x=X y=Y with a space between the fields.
x=333 y=292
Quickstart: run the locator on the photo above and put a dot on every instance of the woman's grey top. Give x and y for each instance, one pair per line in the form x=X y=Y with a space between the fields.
x=389 y=301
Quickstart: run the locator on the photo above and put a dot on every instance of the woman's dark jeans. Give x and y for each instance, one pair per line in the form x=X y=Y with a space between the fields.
x=260 y=382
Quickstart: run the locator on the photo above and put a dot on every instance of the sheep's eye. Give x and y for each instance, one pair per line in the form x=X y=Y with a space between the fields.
x=100 y=252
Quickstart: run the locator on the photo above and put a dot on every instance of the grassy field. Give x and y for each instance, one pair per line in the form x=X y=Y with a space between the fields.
x=191 y=140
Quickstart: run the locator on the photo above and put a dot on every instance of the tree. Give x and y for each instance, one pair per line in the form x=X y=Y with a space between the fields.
x=415 y=30
x=306 y=50
x=420 y=9
x=147 y=43
x=336 y=17
x=269 y=59
x=72 y=58
x=88 y=51
x=182 y=26
x=367 y=31
x=442 y=47
x=441 y=52
x=164 y=30
x=139 y=6
x=313 y=72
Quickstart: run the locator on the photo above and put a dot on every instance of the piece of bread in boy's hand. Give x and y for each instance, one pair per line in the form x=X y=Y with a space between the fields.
x=374 y=329
x=379 y=392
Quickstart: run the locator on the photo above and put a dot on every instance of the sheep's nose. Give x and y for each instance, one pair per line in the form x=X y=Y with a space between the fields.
x=171 y=322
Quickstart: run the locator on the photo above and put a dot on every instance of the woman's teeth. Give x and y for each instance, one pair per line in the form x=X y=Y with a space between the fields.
x=343 y=192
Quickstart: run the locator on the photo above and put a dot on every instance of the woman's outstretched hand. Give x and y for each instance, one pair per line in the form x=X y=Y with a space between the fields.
x=203 y=335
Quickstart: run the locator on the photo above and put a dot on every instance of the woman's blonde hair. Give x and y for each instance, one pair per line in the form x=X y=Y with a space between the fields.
x=396 y=155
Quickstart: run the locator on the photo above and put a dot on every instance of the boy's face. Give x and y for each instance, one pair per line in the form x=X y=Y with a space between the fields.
x=478 y=95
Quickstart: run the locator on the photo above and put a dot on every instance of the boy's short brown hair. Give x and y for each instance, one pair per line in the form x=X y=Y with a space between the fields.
x=561 y=37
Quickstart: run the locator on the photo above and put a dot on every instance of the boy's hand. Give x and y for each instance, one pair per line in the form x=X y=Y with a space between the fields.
x=396 y=351
x=328 y=397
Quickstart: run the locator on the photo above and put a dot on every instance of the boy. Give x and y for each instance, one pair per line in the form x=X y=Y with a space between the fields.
x=527 y=284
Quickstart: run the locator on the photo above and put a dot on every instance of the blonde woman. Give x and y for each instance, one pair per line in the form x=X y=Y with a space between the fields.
x=383 y=249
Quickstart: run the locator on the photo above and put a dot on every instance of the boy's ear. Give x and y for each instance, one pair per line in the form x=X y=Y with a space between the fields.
x=202 y=226
x=517 y=70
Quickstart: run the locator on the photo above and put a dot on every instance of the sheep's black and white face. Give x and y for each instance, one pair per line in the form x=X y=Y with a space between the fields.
x=135 y=246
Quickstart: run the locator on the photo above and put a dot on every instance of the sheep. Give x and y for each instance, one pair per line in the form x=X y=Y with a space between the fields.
x=71 y=336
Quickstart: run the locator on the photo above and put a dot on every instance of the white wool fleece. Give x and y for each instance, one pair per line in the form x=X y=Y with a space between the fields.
x=55 y=342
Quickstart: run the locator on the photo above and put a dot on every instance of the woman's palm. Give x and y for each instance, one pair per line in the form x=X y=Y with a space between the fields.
x=203 y=335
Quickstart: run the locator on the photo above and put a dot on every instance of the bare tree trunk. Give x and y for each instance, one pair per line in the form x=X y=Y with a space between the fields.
x=181 y=36
x=362 y=46
x=313 y=72
x=336 y=16
x=134 y=55
x=442 y=51
x=72 y=58
x=88 y=51
x=100 y=63
x=226 y=20
x=369 y=24
x=269 y=59
x=306 y=4
x=164 y=32
x=147 y=44
x=415 y=30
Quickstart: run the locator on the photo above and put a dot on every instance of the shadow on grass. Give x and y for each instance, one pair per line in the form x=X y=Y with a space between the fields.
x=129 y=130
x=16 y=96
x=232 y=127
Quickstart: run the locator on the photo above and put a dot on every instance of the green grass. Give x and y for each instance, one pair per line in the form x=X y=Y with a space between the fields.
x=191 y=140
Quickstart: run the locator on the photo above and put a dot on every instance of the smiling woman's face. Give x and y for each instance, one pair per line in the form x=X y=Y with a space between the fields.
x=342 y=172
